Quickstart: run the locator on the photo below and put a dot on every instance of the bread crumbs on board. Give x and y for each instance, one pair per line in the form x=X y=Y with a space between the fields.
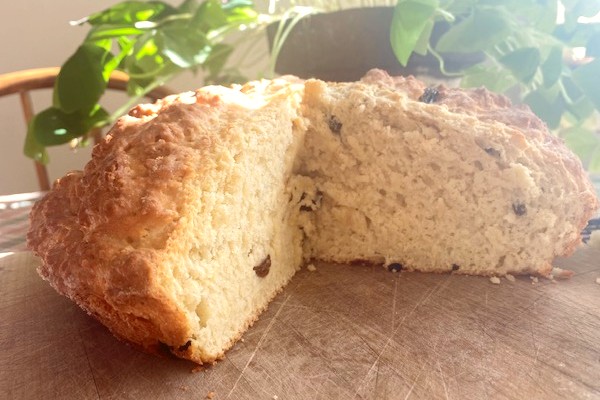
x=510 y=278
x=198 y=368
x=598 y=281
x=560 y=273
x=311 y=267
x=495 y=280
x=210 y=395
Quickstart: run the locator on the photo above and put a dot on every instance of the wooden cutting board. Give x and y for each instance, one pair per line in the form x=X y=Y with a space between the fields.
x=341 y=332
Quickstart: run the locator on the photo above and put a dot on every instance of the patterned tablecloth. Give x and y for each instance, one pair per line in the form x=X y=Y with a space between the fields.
x=14 y=221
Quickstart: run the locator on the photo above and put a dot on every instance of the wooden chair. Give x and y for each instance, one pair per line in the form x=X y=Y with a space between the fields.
x=25 y=81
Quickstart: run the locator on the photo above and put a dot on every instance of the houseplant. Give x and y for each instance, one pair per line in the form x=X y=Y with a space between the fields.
x=342 y=45
x=152 y=41
x=527 y=46
x=519 y=48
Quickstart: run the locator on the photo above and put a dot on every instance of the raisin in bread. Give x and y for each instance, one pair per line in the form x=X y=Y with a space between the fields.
x=195 y=211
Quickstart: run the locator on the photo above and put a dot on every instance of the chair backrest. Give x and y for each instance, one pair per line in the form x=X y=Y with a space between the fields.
x=25 y=81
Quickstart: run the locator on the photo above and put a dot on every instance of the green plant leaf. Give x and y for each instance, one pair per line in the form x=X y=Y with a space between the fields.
x=137 y=86
x=155 y=41
x=578 y=8
x=145 y=64
x=231 y=4
x=239 y=11
x=81 y=80
x=480 y=31
x=33 y=149
x=114 y=62
x=593 y=45
x=411 y=20
x=181 y=48
x=53 y=126
x=577 y=35
x=581 y=109
x=130 y=12
x=585 y=8
x=422 y=45
x=545 y=13
x=547 y=104
x=217 y=58
x=582 y=141
x=493 y=78
x=112 y=31
x=208 y=16
x=586 y=77
x=552 y=66
x=140 y=80
x=522 y=63
x=188 y=6
x=571 y=89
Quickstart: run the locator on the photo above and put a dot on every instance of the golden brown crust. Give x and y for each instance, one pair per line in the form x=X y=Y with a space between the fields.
x=100 y=233
x=479 y=102
x=107 y=235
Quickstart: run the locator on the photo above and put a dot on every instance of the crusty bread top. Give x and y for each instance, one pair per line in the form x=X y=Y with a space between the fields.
x=479 y=102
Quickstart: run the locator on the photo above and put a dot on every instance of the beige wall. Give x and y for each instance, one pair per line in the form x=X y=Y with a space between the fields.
x=35 y=34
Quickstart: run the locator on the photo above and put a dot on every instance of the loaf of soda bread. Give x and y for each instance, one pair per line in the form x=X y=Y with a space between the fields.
x=196 y=211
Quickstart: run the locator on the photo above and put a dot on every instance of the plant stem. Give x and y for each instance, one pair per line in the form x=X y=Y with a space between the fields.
x=283 y=31
x=564 y=92
x=132 y=101
x=148 y=74
x=441 y=62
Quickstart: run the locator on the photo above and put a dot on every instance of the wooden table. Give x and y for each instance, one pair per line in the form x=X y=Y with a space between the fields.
x=340 y=332
x=14 y=220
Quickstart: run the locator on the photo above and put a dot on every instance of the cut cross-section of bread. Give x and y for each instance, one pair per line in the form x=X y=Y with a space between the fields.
x=197 y=210
x=434 y=187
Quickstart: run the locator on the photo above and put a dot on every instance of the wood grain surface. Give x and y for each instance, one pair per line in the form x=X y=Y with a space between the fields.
x=341 y=332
